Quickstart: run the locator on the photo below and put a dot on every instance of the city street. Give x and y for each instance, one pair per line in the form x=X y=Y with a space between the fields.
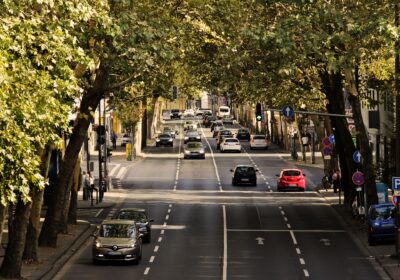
x=205 y=228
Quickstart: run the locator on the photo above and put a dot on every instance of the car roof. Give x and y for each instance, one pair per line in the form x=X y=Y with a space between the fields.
x=118 y=222
x=244 y=165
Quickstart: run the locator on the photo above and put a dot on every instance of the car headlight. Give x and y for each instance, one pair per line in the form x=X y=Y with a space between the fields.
x=98 y=244
x=186 y=138
x=197 y=137
x=187 y=152
x=133 y=245
x=157 y=140
x=170 y=140
x=202 y=151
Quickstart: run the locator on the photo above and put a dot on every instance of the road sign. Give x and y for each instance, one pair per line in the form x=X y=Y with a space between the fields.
x=395 y=200
x=396 y=183
x=332 y=138
x=358 y=178
x=357 y=157
x=326 y=141
x=288 y=111
x=327 y=151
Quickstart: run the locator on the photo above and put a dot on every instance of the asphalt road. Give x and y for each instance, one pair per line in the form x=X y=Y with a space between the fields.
x=207 y=229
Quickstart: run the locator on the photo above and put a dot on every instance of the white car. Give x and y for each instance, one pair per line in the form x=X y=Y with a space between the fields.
x=190 y=124
x=230 y=144
x=125 y=139
x=258 y=142
x=188 y=113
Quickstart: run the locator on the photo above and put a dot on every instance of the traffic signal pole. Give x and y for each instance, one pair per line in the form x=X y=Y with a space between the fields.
x=99 y=143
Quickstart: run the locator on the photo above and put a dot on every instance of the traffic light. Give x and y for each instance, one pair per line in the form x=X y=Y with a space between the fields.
x=101 y=134
x=258 y=112
x=174 y=92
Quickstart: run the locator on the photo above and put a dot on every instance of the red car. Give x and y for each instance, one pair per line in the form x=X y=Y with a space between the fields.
x=291 y=179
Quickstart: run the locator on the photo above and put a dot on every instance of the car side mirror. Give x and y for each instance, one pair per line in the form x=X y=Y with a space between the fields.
x=304 y=175
x=231 y=170
x=257 y=170
x=277 y=175
x=151 y=220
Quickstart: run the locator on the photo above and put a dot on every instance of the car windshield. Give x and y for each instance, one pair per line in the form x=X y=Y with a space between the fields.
x=258 y=137
x=245 y=170
x=242 y=131
x=291 y=173
x=224 y=110
x=117 y=231
x=192 y=134
x=167 y=129
x=383 y=213
x=132 y=215
x=125 y=135
x=164 y=136
x=194 y=145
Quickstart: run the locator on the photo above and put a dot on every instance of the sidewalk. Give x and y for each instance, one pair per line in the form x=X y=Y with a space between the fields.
x=382 y=252
x=52 y=259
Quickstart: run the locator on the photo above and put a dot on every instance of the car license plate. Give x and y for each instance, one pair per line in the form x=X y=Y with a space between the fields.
x=292 y=185
x=245 y=180
x=115 y=253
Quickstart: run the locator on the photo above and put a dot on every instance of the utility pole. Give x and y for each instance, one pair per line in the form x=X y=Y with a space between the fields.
x=99 y=143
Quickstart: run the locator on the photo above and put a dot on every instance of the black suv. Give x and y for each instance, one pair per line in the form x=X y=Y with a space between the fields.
x=243 y=134
x=175 y=114
x=244 y=174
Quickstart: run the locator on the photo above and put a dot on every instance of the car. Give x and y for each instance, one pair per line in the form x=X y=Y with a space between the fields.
x=381 y=222
x=188 y=113
x=243 y=135
x=223 y=134
x=164 y=139
x=139 y=215
x=117 y=240
x=192 y=136
x=190 y=125
x=125 y=139
x=244 y=174
x=175 y=114
x=228 y=120
x=258 y=142
x=207 y=120
x=291 y=179
x=230 y=144
x=223 y=111
x=194 y=150
x=202 y=112
x=217 y=129
x=214 y=124
x=169 y=130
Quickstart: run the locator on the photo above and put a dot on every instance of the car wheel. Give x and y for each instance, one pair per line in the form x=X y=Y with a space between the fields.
x=251 y=148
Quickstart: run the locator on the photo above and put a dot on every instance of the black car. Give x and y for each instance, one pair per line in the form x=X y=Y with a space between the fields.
x=243 y=134
x=215 y=124
x=175 y=114
x=244 y=174
x=138 y=215
x=223 y=134
x=164 y=139
x=207 y=120
x=192 y=136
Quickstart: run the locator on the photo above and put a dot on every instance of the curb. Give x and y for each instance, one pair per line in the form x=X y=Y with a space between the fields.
x=50 y=270
x=379 y=268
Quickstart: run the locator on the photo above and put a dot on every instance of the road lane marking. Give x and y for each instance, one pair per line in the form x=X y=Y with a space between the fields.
x=288 y=225
x=162 y=231
x=286 y=219
x=283 y=213
x=151 y=259
x=146 y=271
x=288 y=230
x=293 y=237
x=225 y=257
x=298 y=251
x=164 y=224
x=213 y=159
x=114 y=170
x=156 y=248
x=170 y=206
x=302 y=262
x=169 y=210
x=306 y=274
x=98 y=213
x=160 y=239
x=121 y=173
x=167 y=217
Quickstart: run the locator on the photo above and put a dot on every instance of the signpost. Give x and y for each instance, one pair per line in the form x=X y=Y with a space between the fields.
x=357 y=157
x=358 y=178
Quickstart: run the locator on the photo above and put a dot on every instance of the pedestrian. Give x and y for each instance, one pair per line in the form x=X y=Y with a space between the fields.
x=86 y=185
x=325 y=182
x=336 y=180
x=114 y=140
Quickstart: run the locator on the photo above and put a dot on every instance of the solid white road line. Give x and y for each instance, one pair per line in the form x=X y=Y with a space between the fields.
x=225 y=256
x=293 y=237
x=213 y=159
x=151 y=259
x=114 y=170
x=146 y=271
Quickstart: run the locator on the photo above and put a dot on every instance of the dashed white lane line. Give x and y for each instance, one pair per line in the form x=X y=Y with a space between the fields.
x=286 y=219
x=170 y=206
x=156 y=248
x=146 y=271
x=293 y=237
x=160 y=239
x=289 y=226
x=306 y=274
x=298 y=251
x=167 y=217
x=151 y=259
x=169 y=210
x=162 y=232
x=164 y=224
x=302 y=262
x=283 y=213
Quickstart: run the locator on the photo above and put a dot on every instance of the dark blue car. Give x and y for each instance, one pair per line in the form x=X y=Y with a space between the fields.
x=381 y=223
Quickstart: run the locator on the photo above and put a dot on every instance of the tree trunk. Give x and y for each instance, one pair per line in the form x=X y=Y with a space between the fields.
x=73 y=204
x=31 y=244
x=3 y=211
x=11 y=266
x=365 y=149
x=344 y=147
x=60 y=197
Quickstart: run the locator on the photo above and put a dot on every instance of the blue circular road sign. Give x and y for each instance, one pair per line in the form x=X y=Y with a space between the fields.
x=332 y=138
x=288 y=111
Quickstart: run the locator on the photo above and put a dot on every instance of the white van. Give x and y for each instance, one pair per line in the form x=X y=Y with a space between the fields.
x=223 y=111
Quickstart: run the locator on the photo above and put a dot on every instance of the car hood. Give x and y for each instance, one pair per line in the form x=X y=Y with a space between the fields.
x=107 y=241
x=193 y=149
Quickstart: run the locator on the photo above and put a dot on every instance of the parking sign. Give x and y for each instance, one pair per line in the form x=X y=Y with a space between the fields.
x=396 y=183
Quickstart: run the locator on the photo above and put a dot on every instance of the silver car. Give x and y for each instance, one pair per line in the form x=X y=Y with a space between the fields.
x=117 y=240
